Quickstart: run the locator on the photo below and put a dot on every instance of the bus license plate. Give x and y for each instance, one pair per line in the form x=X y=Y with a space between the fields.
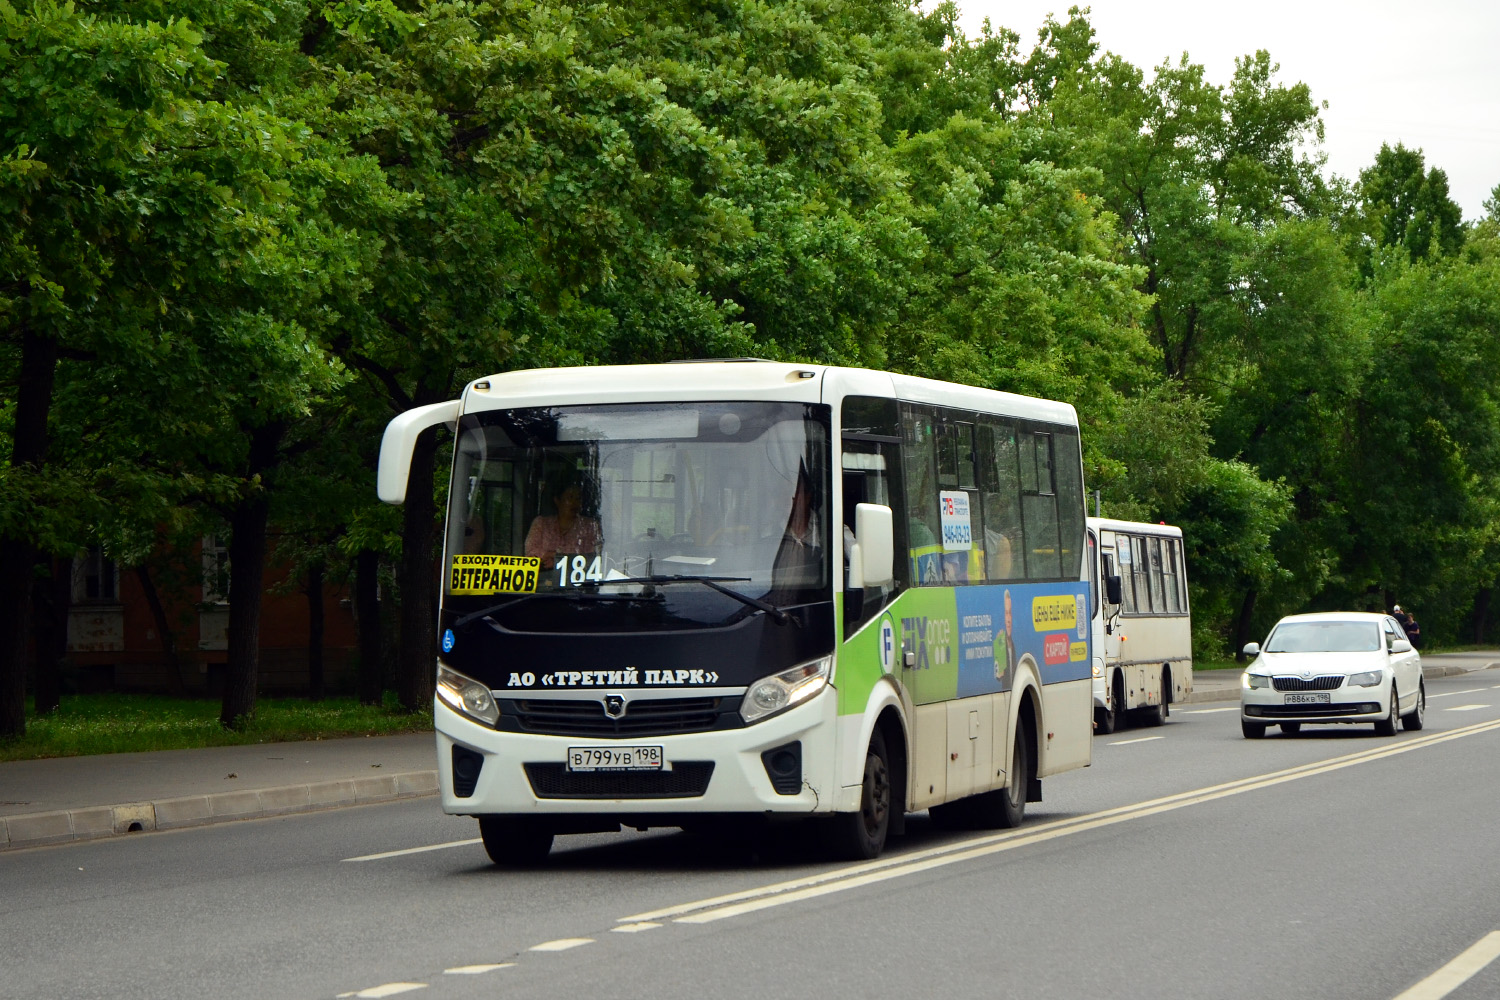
x=629 y=758
x=1319 y=698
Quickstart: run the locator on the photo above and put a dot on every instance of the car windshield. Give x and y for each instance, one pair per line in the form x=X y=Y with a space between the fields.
x=587 y=498
x=1324 y=637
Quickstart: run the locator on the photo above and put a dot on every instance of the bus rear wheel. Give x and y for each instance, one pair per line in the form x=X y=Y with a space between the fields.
x=514 y=841
x=1005 y=808
x=860 y=836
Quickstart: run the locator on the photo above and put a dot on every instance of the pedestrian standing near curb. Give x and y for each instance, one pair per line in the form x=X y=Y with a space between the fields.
x=1413 y=630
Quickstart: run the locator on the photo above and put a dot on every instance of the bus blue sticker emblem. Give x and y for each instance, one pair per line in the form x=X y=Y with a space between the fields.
x=448 y=640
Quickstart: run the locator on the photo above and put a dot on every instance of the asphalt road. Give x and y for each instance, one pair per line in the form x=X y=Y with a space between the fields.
x=1187 y=862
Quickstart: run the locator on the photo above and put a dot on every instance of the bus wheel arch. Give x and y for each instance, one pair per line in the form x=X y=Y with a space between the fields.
x=861 y=835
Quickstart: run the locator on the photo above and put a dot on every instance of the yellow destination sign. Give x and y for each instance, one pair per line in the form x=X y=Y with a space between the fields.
x=475 y=574
x=1053 y=611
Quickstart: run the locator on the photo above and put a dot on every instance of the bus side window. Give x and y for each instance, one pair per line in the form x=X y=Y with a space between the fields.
x=1123 y=546
x=1000 y=495
x=1039 y=507
x=919 y=461
x=870 y=469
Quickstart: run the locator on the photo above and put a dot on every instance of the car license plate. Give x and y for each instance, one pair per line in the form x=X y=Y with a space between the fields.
x=618 y=758
x=1317 y=698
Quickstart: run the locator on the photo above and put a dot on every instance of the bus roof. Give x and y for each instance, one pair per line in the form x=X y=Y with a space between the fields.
x=1135 y=527
x=739 y=379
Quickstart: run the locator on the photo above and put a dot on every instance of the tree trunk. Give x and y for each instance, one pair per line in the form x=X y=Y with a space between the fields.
x=367 y=621
x=247 y=559
x=418 y=642
x=18 y=553
x=1481 y=609
x=176 y=682
x=51 y=597
x=315 y=680
x=1242 y=625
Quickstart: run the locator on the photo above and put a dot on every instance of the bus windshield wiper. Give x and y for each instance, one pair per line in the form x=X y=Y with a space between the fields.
x=777 y=615
x=568 y=595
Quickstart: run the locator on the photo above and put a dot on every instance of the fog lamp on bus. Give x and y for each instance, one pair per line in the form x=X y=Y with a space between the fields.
x=467 y=696
x=770 y=695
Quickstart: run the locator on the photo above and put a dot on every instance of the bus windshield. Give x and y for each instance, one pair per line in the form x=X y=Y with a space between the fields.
x=735 y=493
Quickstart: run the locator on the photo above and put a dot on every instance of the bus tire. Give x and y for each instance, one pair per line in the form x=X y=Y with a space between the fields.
x=1005 y=808
x=514 y=841
x=1104 y=720
x=860 y=836
x=1155 y=715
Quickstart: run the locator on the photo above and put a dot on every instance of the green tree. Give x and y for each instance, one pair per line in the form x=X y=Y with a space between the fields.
x=1407 y=205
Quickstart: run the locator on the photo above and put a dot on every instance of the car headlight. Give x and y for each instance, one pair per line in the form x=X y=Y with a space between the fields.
x=770 y=695
x=1367 y=679
x=467 y=696
x=1249 y=680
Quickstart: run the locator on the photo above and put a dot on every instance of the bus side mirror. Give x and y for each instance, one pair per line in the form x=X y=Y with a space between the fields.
x=872 y=559
x=1112 y=591
x=401 y=439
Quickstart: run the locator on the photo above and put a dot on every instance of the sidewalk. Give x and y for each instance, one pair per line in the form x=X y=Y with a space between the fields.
x=68 y=799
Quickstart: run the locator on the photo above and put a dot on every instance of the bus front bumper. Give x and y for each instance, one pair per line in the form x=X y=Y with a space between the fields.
x=725 y=771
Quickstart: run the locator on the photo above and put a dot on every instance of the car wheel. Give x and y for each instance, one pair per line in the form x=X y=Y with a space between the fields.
x=1416 y=718
x=860 y=836
x=514 y=841
x=1291 y=728
x=1252 y=730
x=1387 y=725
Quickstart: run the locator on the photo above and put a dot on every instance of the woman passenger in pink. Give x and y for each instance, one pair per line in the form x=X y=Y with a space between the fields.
x=566 y=532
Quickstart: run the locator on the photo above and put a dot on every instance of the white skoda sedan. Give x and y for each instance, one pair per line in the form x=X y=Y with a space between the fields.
x=1333 y=668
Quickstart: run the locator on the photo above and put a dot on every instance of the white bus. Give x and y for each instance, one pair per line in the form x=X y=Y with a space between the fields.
x=1143 y=631
x=684 y=594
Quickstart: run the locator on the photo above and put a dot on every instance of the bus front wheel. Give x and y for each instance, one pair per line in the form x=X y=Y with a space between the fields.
x=860 y=836
x=514 y=841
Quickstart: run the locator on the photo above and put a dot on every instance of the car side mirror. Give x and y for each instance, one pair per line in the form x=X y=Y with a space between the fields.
x=1113 y=592
x=1401 y=646
x=872 y=557
x=1251 y=649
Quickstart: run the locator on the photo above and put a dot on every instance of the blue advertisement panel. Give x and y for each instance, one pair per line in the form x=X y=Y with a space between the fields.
x=999 y=626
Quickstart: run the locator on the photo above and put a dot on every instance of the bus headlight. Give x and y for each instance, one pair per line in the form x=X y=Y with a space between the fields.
x=467 y=696
x=770 y=695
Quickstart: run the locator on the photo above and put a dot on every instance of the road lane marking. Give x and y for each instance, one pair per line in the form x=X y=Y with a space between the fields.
x=1210 y=711
x=1457 y=972
x=644 y=925
x=387 y=990
x=416 y=850
x=1464 y=708
x=476 y=970
x=1143 y=739
x=561 y=944
x=1450 y=694
x=852 y=876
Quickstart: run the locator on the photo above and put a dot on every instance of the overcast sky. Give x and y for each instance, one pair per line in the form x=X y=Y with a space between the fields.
x=1426 y=74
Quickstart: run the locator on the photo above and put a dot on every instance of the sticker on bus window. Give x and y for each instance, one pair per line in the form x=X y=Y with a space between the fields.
x=953 y=509
x=478 y=574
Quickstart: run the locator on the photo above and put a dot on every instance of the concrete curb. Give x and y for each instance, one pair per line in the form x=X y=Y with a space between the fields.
x=94 y=822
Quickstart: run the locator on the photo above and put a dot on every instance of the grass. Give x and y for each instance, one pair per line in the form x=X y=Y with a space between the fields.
x=1206 y=664
x=126 y=723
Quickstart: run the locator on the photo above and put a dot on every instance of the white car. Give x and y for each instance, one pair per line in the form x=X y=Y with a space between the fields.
x=1333 y=668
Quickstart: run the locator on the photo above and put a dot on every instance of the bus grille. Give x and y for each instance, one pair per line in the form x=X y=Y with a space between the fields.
x=1330 y=682
x=688 y=779
x=642 y=718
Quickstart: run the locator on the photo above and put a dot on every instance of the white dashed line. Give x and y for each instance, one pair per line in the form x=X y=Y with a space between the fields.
x=1211 y=711
x=1464 y=708
x=476 y=970
x=1143 y=739
x=1450 y=694
x=1457 y=972
x=561 y=944
x=644 y=925
x=387 y=990
x=415 y=850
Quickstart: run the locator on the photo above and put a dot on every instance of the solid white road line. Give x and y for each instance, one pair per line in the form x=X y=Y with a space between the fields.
x=852 y=876
x=1143 y=739
x=1464 y=708
x=561 y=944
x=1210 y=711
x=1457 y=972
x=476 y=970
x=388 y=990
x=415 y=850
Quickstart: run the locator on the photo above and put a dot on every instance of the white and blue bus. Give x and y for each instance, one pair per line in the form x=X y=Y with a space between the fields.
x=690 y=593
